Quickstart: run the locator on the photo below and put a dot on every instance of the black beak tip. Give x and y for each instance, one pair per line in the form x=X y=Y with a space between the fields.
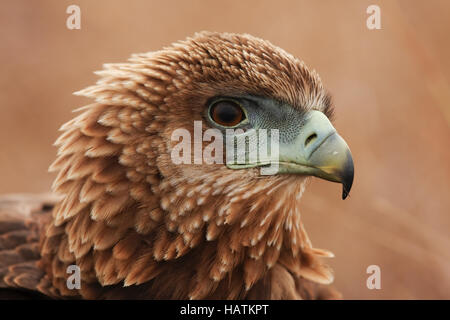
x=347 y=177
x=344 y=193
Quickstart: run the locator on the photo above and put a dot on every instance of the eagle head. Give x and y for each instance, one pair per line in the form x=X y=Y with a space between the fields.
x=183 y=178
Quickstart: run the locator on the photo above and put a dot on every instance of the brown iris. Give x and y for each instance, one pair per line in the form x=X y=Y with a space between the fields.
x=227 y=113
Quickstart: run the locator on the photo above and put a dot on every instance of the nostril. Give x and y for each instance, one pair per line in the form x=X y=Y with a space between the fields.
x=310 y=139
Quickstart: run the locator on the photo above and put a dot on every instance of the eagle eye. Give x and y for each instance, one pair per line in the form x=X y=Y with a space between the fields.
x=227 y=113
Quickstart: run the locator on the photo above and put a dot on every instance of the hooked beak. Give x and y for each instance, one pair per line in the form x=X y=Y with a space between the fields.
x=319 y=151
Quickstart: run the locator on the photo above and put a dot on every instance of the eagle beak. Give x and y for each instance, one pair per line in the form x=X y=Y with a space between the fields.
x=318 y=151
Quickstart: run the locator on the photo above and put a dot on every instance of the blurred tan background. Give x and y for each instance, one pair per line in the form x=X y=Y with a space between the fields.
x=390 y=87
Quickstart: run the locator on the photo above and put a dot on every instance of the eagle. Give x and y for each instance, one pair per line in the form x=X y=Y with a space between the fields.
x=138 y=225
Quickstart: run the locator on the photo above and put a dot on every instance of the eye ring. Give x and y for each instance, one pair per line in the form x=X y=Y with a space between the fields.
x=227 y=113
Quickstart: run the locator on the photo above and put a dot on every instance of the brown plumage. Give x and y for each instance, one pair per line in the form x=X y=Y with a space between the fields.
x=139 y=226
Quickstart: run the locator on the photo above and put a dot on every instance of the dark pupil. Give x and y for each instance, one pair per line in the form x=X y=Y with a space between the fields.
x=226 y=113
